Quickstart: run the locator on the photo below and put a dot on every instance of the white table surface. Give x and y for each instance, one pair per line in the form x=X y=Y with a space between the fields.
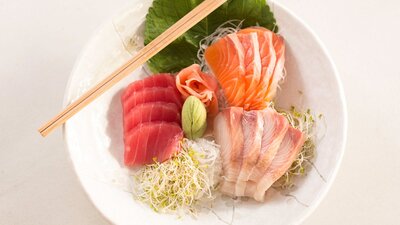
x=40 y=40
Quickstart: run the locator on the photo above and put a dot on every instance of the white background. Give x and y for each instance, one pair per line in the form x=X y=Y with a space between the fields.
x=40 y=40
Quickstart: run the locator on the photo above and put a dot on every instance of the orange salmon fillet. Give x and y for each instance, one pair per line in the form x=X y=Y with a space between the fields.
x=248 y=65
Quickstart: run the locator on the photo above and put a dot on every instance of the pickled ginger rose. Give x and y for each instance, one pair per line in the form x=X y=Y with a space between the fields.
x=192 y=81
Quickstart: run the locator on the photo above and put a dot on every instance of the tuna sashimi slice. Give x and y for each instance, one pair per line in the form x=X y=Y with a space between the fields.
x=252 y=124
x=228 y=134
x=151 y=141
x=287 y=153
x=154 y=94
x=158 y=80
x=274 y=130
x=151 y=112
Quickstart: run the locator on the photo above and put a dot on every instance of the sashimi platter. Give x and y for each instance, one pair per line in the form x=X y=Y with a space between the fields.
x=242 y=115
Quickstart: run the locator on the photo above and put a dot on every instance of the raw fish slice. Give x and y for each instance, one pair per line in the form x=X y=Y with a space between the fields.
x=225 y=58
x=287 y=153
x=158 y=80
x=228 y=134
x=266 y=49
x=252 y=62
x=236 y=86
x=251 y=188
x=151 y=141
x=268 y=61
x=252 y=125
x=134 y=141
x=274 y=130
x=279 y=45
x=169 y=138
x=228 y=188
x=249 y=77
x=151 y=112
x=154 y=94
x=272 y=55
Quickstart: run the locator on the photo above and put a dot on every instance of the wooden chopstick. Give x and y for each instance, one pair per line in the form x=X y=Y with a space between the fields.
x=166 y=38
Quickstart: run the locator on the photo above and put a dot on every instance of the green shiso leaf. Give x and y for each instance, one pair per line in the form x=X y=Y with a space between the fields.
x=183 y=52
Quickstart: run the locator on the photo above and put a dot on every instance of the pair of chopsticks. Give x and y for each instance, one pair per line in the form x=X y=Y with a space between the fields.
x=158 y=44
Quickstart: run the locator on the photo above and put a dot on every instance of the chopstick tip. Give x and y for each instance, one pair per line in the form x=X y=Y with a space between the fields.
x=43 y=132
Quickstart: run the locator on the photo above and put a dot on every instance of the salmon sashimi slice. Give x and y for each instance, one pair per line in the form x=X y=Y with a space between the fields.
x=252 y=62
x=152 y=141
x=278 y=73
x=255 y=71
x=266 y=48
x=275 y=61
x=153 y=94
x=192 y=81
x=268 y=62
x=287 y=153
x=158 y=80
x=225 y=58
x=252 y=125
x=228 y=134
x=151 y=112
x=274 y=130
x=248 y=65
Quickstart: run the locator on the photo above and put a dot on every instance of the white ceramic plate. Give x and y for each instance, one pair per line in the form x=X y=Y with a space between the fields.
x=94 y=136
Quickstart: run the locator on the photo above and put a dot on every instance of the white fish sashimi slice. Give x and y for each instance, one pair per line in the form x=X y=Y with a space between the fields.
x=252 y=124
x=274 y=130
x=228 y=188
x=287 y=153
x=228 y=134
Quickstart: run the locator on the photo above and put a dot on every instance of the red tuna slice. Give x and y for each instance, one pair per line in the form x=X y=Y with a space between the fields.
x=159 y=80
x=151 y=141
x=151 y=112
x=154 y=94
